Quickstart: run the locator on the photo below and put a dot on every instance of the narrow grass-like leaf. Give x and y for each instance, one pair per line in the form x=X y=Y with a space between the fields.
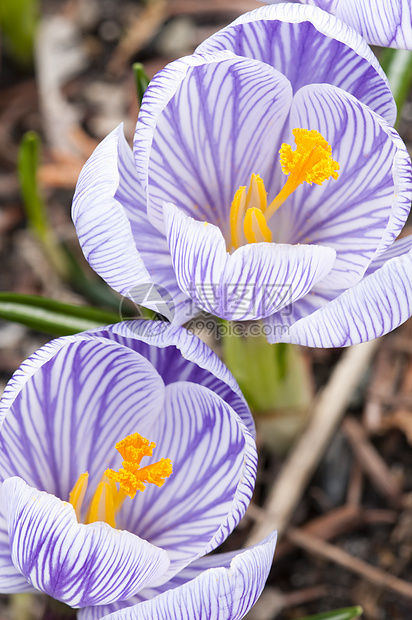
x=347 y=613
x=18 y=22
x=51 y=316
x=398 y=68
x=141 y=79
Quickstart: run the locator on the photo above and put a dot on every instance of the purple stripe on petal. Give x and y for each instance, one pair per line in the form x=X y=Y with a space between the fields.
x=188 y=574
x=400 y=247
x=388 y=24
x=178 y=355
x=68 y=417
x=11 y=579
x=101 y=222
x=361 y=212
x=214 y=468
x=217 y=594
x=372 y=308
x=222 y=124
x=253 y=282
x=75 y=563
x=308 y=46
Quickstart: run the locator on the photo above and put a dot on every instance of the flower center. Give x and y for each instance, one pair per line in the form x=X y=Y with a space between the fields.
x=108 y=498
x=311 y=161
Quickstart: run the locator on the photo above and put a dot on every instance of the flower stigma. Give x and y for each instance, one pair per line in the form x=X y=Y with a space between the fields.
x=108 y=497
x=310 y=162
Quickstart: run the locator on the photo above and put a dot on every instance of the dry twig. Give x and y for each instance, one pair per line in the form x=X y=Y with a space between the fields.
x=316 y=546
x=371 y=461
x=304 y=457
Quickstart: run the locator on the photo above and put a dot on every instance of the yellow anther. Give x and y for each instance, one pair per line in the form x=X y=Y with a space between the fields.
x=108 y=498
x=311 y=162
x=256 y=194
x=78 y=492
x=102 y=505
x=255 y=226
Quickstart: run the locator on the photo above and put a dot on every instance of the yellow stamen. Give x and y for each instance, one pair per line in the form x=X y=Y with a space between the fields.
x=102 y=505
x=311 y=161
x=255 y=226
x=108 y=498
x=256 y=194
x=78 y=492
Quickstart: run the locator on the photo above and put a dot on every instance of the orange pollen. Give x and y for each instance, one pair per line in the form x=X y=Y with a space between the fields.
x=130 y=476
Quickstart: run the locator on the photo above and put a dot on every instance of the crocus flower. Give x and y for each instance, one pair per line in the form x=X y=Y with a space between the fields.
x=205 y=210
x=381 y=22
x=100 y=534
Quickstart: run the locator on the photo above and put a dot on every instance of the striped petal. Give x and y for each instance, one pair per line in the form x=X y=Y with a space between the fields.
x=194 y=570
x=75 y=563
x=388 y=24
x=177 y=355
x=255 y=281
x=109 y=213
x=309 y=46
x=206 y=124
x=11 y=579
x=362 y=212
x=400 y=247
x=67 y=417
x=100 y=219
x=217 y=594
x=372 y=308
x=214 y=469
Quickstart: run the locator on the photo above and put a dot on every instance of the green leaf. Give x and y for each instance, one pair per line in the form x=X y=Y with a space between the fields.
x=398 y=68
x=18 y=22
x=27 y=167
x=348 y=613
x=51 y=316
x=142 y=80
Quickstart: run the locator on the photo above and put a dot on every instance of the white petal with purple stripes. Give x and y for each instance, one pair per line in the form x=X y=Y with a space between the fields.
x=308 y=46
x=388 y=24
x=398 y=248
x=178 y=355
x=380 y=22
x=75 y=563
x=255 y=281
x=68 y=417
x=109 y=213
x=101 y=223
x=217 y=594
x=11 y=579
x=362 y=211
x=221 y=124
x=372 y=308
x=214 y=468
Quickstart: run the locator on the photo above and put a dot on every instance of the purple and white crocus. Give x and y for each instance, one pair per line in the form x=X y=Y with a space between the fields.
x=381 y=22
x=62 y=414
x=316 y=261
